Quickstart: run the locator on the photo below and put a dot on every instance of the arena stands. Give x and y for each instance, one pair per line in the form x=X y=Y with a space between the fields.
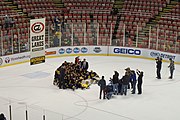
x=166 y=30
x=140 y=23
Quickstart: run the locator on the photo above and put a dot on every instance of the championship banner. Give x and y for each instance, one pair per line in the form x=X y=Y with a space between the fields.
x=37 y=41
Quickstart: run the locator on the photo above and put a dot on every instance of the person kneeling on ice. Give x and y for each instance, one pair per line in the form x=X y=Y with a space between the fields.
x=109 y=90
x=102 y=84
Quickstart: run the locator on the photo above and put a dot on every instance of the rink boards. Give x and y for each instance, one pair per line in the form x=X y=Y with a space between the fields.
x=92 y=51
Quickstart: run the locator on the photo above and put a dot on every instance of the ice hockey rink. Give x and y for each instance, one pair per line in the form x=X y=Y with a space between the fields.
x=30 y=88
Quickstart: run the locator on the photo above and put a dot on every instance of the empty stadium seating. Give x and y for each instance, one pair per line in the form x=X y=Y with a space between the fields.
x=92 y=22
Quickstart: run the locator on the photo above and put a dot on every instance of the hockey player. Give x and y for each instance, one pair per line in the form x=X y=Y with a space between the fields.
x=62 y=75
x=57 y=78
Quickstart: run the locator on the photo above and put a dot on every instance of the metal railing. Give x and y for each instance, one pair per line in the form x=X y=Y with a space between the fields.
x=14 y=41
x=14 y=109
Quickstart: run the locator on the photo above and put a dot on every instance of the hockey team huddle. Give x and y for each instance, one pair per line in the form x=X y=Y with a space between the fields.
x=74 y=75
x=120 y=86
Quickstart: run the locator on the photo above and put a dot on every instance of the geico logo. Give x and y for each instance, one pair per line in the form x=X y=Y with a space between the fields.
x=127 y=51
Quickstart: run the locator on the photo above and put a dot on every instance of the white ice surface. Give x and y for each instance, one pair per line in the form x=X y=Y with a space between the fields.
x=30 y=87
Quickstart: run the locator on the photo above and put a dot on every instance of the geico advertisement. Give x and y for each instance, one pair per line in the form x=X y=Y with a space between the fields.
x=125 y=51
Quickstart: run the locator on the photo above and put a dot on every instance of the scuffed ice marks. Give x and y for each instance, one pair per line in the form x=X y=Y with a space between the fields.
x=36 y=74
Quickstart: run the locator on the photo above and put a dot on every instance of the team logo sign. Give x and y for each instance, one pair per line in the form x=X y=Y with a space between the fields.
x=7 y=60
x=68 y=50
x=1 y=61
x=97 y=49
x=37 y=27
x=84 y=50
x=37 y=41
x=61 y=51
x=76 y=50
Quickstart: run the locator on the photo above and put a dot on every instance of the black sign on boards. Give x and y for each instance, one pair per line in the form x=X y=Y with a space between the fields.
x=37 y=60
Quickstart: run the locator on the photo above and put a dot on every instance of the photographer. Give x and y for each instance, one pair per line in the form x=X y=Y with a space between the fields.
x=171 y=67
x=158 y=66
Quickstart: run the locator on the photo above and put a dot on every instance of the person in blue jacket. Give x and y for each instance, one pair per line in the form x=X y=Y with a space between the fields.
x=133 y=81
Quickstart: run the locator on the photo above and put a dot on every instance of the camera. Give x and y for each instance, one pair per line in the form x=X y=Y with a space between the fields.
x=157 y=58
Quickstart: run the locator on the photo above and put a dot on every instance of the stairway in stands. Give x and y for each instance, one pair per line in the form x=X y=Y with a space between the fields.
x=115 y=30
x=15 y=7
x=155 y=20
x=59 y=3
x=118 y=5
x=93 y=31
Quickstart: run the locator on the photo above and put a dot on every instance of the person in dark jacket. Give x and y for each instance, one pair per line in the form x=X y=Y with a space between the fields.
x=102 y=84
x=158 y=66
x=128 y=70
x=62 y=75
x=140 y=81
x=171 y=67
x=115 y=82
x=133 y=81
x=84 y=65
x=2 y=117
x=125 y=81
x=57 y=78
